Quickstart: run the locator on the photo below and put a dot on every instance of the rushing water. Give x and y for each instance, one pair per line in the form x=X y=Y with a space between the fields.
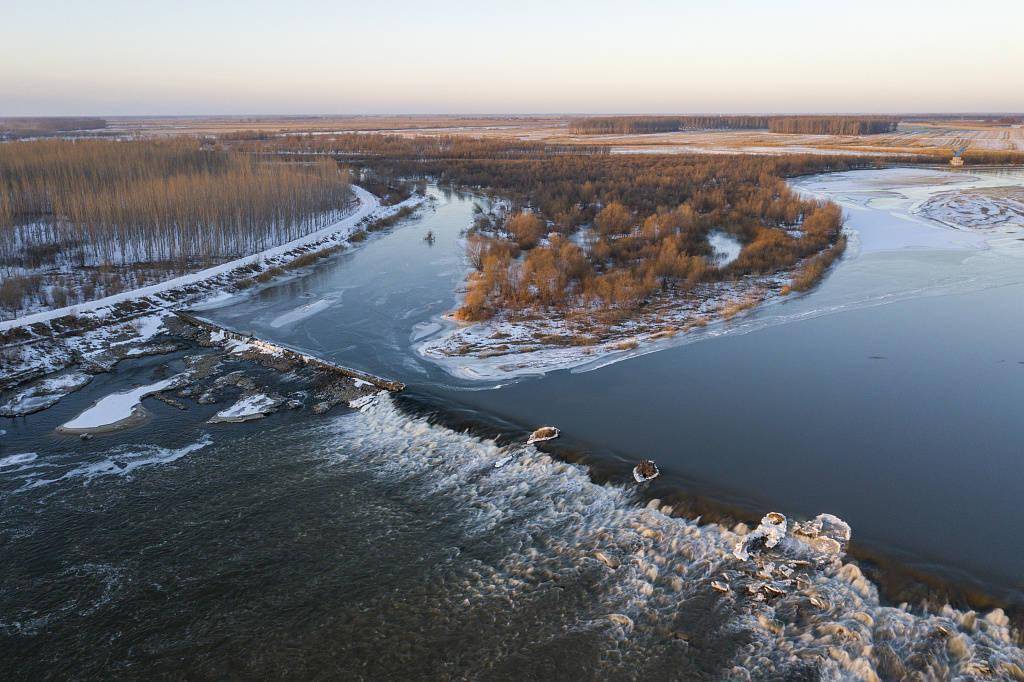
x=377 y=545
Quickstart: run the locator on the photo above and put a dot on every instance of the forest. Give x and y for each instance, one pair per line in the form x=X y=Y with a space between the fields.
x=833 y=125
x=80 y=219
x=633 y=125
x=588 y=230
x=813 y=125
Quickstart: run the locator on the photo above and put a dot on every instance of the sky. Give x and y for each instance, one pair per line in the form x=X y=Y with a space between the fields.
x=112 y=57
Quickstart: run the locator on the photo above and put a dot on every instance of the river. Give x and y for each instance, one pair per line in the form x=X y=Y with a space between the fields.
x=889 y=396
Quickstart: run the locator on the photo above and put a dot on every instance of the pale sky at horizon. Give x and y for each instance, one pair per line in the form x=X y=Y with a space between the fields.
x=114 y=57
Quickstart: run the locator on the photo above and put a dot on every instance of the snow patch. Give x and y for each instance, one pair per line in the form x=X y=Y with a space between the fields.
x=43 y=394
x=726 y=247
x=247 y=408
x=112 y=410
x=365 y=401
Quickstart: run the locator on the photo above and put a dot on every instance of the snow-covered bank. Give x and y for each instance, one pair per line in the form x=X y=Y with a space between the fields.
x=504 y=347
x=101 y=330
x=366 y=204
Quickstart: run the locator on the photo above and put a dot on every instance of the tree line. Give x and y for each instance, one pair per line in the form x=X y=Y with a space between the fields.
x=816 y=125
x=395 y=147
x=631 y=125
x=833 y=125
x=128 y=202
x=99 y=205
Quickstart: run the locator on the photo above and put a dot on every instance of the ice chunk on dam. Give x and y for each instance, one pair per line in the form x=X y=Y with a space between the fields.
x=823 y=537
x=769 y=533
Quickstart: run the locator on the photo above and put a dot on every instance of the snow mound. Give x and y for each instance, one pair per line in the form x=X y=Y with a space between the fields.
x=117 y=409
x=247 y=408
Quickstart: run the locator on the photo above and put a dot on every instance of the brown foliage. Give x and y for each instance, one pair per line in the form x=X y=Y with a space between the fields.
x=639 y=222
x=526 y=228
x=814 y=269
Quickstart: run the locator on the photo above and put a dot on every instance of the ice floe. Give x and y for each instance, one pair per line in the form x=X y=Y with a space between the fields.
x=122 y=461
x=17 y=460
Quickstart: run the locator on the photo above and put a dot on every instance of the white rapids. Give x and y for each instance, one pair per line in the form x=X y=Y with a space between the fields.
x=789 y=590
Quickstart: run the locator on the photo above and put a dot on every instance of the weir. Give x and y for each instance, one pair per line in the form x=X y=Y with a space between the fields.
x=293 y=355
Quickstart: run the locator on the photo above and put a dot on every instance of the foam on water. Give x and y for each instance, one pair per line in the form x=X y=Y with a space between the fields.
x=121 y=461
x=650 y=576
x=17 y=460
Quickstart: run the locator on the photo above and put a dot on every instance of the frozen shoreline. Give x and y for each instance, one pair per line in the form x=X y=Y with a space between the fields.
x=106 y=327
x=493 y=342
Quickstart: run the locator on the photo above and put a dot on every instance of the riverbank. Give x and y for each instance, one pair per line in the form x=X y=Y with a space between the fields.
x=513 y=346
x=102 y=332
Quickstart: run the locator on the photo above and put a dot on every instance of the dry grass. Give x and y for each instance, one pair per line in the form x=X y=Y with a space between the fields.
x=815 y=268
x=731 y=309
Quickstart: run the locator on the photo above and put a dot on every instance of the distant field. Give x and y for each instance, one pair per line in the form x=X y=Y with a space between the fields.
x=921 y=135
x=319 y=124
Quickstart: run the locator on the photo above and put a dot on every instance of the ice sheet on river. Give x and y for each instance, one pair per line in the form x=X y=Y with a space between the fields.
x=301 y=313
